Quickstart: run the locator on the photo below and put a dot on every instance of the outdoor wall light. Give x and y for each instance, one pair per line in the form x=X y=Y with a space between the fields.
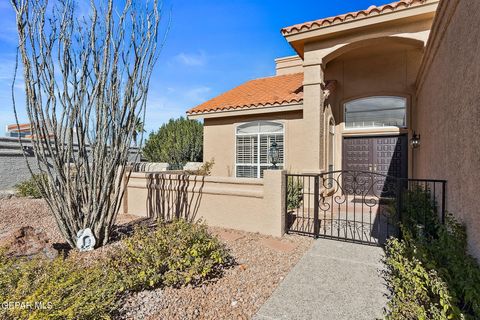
x=415 y=141
x=274 y=154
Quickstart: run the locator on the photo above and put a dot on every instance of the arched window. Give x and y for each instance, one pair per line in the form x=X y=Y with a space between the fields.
x=253 y=141
x=374 y=112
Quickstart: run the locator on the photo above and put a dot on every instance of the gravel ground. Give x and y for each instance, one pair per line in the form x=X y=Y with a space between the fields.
x=261 y=263
x=20 y=212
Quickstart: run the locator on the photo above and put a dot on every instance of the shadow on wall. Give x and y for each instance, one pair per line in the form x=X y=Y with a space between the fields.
x=174 y=196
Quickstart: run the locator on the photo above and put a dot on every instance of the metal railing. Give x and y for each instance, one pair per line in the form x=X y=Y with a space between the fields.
x=356 y=206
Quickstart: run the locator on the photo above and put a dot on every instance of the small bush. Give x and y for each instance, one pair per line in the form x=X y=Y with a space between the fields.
x=30 y=187
x=173 y=254
x=430 y=267
x=204 y=170
x=294 y=193
x=419 y=209
x=58 y=289
x=417 y=293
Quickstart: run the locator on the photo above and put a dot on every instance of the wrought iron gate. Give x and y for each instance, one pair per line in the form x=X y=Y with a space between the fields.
x=357 y=206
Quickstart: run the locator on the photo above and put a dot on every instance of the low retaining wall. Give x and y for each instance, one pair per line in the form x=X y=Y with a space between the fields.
x=254 y=205
x=13 y=167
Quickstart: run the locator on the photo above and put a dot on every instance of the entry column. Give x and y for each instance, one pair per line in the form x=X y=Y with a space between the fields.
x=313 y=117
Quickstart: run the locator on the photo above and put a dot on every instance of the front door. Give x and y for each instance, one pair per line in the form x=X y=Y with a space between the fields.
x=382 y=155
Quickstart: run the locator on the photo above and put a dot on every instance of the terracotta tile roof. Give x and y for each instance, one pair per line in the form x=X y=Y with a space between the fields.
x=23 y=127
x=277 y=90
x=373 y=10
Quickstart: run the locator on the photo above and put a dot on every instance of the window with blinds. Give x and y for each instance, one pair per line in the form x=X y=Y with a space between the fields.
x=253 y=141
x=380 y=111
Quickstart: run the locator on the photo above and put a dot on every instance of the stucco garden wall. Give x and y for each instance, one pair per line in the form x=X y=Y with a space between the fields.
x=253 y=205
x=448 y=113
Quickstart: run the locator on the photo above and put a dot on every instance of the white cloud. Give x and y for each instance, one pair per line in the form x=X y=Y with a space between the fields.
x=192 y=59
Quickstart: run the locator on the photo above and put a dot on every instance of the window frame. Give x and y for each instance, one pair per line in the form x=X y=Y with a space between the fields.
x=406 y=116
x=258 y=135
x=331 y=144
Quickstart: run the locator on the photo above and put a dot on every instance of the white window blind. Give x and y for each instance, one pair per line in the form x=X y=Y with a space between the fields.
x=253 y=141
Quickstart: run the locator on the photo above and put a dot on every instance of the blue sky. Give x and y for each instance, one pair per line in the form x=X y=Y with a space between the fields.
x=212 y=46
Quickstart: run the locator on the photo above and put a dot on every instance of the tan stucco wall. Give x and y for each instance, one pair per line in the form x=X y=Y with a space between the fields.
x=448 y=113
x=219 y=140
x=253 y=205
x=288 y=65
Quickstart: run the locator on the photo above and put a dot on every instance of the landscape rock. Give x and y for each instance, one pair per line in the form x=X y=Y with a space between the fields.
x=192 y=166
x=6 y=194
x=261 y=264
x=28 y=242
x=150 y=166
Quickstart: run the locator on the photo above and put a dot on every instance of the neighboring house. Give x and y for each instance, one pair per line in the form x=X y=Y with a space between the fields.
x=360 y=87
x=23 y=130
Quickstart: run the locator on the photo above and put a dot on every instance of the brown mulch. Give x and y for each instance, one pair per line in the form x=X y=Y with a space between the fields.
x=261 y=264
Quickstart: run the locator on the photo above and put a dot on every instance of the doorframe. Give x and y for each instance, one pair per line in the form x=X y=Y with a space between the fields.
x=338 y=112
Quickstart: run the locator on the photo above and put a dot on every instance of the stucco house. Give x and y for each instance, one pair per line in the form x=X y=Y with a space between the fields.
x=349 y=90
x=374 y=103
x=359 y=88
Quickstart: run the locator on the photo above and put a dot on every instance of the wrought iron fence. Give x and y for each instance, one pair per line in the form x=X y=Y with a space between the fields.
x=356 y=206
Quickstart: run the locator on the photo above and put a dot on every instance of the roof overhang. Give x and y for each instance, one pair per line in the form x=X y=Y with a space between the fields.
x=247 y=111
x=406 y=16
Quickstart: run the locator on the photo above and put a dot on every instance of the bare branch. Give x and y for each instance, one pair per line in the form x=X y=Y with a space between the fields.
x=86 y=85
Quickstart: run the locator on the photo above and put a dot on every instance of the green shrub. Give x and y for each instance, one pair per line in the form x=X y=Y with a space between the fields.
x=30 y=187
x=432 y=257
x=294 y=193
x=417 y=293
x=174 y=254
x=60 y=289
x=420 y=209
x=177 y=142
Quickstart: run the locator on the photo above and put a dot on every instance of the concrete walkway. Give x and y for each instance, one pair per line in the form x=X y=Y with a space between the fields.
x=333 y=280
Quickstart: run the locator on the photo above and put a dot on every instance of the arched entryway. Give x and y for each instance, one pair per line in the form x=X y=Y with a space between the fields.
x=372 y=104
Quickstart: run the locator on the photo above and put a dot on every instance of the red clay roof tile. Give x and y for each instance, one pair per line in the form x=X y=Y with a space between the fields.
x=373 y=10
x=277 y=90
